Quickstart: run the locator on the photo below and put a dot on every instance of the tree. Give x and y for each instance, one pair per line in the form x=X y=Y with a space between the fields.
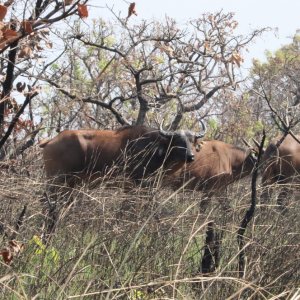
x=137 y=72
x=275 y=87
x=24 y=36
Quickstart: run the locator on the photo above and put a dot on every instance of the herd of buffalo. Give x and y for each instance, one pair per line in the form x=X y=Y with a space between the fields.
x=182 y=156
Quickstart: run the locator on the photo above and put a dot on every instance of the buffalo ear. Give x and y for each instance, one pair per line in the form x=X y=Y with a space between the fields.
x=198 y=147
x=255 y=151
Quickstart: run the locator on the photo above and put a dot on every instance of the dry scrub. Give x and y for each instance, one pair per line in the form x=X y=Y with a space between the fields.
x=146 y=243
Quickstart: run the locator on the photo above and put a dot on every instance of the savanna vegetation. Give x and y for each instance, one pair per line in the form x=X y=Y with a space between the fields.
x=61 y=70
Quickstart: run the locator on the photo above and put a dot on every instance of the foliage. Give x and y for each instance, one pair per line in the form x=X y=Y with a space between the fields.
x=137 y=72
x=51 y=255
x=275 y=93
x=25 y=42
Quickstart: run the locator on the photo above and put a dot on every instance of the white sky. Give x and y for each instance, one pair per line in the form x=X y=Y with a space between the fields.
x=251 y=14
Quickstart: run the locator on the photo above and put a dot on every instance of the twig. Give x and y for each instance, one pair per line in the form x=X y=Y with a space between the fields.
x=210 y=258
x=250 y=212
x=16 y=118
x=19 y=222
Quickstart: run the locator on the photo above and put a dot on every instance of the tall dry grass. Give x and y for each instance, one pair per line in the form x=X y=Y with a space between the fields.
x=145 y=243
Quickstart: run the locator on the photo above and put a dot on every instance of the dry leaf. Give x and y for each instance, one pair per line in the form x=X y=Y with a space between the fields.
x=8 y=3
x=27 y=26
x=7 y=36
x=17 y=247
x=7 y=255
x=49 y=45
x=236 y=59
x=23 y=124
x=166 y=48
x=2 y=25
x=217 y=57
x=3 y=11
x=38 y=47
x=21 y=86
x=25 y=52
x=82 y=11
x=11 y=251
x=211 y=18
x=131 y=10
x=9 y=33
x=13 y=105
x=207 y=46
x=45 y=31
x=68 y=2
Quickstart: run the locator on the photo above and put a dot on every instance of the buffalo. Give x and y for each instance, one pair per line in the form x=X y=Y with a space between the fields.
x=136 y=151
x=215 y=166
x=281 y=165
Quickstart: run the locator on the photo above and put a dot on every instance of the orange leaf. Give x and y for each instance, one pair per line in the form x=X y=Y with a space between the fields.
x=3 y=11
x=13 y=249
x=9 y=33
x=131 y=10
x=7 y=36
x=82 y=11
x=27 y=26
x=7 y=255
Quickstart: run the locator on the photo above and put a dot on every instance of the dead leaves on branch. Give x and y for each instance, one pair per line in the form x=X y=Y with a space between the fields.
x=8 y=3
x=3 y=11
x=25 y=52
x=166 y=48
x=22 y=125
x=34 y=44
x=12 y=31
x=81 y=8
x=12 y=108
x=7 y=35
x=82 y=11
x=236 y=59
x=207 y=46
x=131 y=10
x=27 y=26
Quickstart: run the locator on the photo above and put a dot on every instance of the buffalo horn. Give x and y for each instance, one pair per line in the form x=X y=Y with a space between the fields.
x=256 y=142
x=246 y=143
x=254 y=150
x=164 y=132
x=201 y=134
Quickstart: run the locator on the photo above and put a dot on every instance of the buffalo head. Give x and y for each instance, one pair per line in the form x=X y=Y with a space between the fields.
x=181 y=142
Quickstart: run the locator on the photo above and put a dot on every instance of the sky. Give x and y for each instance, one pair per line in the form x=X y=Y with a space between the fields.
x=284 y=16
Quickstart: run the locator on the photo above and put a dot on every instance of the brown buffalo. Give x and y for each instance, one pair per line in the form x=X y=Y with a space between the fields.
x=216 y=165
x=281 y=165
x=137 y=151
